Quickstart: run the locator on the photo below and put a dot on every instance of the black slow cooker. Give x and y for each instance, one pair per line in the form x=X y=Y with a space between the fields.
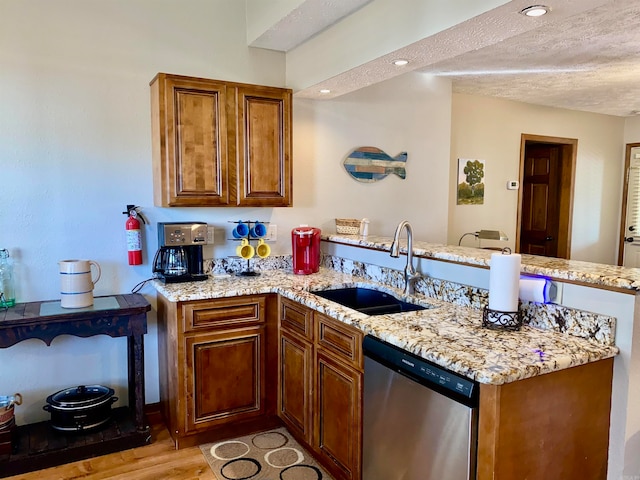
x=80 y=409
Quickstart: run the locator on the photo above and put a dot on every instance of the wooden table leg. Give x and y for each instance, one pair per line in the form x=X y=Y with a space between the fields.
x=135 y=347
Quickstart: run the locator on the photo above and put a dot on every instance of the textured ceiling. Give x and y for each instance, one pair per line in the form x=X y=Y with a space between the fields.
x=576 y=57
x=590 y=62
x=311 y=17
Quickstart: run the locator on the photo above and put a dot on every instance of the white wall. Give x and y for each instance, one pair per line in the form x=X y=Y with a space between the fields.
x=490 y=129
x=75 y=148
x=409 y=113
x=632 y=130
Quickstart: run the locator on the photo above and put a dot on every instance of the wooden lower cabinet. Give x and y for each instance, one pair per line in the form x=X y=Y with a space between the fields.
x=338 y=415
x=296 y=382
x=225 y=380
x=320 y=387
x=218 y=367
x=233 y=366
x=549 y=426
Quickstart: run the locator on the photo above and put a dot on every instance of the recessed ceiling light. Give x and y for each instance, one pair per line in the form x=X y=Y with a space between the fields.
x=535 y=10
x=325 y=90
x=400 y=63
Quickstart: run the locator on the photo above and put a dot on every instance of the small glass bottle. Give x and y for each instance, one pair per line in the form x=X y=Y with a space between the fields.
x=7 y=289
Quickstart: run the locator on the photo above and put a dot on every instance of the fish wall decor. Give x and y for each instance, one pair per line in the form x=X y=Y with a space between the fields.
x=370 y=164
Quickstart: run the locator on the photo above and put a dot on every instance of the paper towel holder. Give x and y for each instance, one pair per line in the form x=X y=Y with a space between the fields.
x=497 y=320
x=501 y=320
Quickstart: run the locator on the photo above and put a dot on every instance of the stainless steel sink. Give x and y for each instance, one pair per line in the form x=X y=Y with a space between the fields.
x=369 y=301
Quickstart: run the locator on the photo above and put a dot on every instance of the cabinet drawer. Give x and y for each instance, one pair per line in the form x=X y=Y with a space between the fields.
x=296 y=318
x=224 y=313
x=342 y=340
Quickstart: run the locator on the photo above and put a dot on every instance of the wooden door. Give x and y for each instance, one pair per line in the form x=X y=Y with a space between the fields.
x=225 y=377
x=190 y=158
x=263 y=146
x=547 y=166
x=337 y=416
x=296 y=379
x=540 y=201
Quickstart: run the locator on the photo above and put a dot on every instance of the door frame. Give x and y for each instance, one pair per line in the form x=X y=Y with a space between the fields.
x=568 y=153
x=625 y=192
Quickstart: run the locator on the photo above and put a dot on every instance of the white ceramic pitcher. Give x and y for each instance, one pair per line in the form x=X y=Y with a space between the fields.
x=77 y=282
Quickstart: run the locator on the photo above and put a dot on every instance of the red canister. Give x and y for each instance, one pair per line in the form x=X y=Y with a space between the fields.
x=305 y=244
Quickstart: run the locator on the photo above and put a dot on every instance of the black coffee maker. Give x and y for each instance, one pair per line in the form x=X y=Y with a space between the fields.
x=179 y=255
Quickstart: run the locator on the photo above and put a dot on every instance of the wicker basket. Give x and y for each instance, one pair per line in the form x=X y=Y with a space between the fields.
x=347 y=226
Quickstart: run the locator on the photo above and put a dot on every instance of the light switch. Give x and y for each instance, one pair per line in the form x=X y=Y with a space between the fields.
x=513 y=185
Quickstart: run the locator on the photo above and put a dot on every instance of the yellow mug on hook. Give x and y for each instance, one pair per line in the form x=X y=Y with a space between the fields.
x=245 y=250
x=262 y=249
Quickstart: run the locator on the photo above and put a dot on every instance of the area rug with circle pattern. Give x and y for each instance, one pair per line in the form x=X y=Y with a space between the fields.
x=271 y=455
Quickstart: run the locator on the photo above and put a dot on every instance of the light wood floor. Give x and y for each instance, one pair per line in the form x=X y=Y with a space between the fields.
x=157 y=461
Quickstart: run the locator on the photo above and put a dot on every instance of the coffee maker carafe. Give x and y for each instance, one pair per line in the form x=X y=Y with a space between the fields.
x=179 y=255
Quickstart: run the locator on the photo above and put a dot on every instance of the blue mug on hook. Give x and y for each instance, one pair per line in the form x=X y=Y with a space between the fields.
x=259 y=230
x=241 y=230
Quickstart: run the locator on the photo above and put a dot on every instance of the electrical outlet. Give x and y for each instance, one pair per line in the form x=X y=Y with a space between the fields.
x=272 y=233
x=210 y=234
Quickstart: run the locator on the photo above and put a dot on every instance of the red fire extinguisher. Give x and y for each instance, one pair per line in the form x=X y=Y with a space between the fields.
x=134 y=235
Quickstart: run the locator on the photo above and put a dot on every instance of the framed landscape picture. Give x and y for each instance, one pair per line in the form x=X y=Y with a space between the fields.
x=470 y=181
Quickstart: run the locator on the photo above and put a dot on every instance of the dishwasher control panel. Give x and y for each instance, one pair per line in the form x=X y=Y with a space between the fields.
x=420 y=370
x=446 y=379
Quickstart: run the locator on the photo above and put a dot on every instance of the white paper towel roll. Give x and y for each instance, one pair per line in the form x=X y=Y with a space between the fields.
x=504 y=282
x=534 y=289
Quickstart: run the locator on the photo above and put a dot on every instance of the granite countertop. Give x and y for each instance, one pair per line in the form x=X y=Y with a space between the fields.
x=596 y=274
x=449 y=335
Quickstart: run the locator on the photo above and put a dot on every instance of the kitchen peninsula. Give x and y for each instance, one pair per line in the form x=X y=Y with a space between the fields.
x=508 y=365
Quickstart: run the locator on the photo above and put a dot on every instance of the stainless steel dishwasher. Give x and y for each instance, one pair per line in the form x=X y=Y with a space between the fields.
x=420 y=420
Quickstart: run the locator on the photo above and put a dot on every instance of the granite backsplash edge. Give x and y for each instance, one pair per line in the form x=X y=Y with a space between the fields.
x=588 y=325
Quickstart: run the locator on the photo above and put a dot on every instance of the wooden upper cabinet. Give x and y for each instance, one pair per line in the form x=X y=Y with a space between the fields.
x=264 y=146
x=219 y=143
x=190 y=152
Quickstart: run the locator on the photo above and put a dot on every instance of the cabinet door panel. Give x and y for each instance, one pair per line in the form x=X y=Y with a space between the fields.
x=338 y=415
x=296 y=358
x=198 y=153
x=190 y=141
x=224 y=373
x=264 y=146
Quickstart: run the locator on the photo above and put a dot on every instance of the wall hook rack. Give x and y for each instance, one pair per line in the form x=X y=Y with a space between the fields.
x=246 y=232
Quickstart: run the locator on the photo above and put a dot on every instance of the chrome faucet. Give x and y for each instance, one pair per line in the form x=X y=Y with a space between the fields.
x=410 y=274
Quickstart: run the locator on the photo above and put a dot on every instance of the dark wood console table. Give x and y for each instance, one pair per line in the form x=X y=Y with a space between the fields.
x=38 y=445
